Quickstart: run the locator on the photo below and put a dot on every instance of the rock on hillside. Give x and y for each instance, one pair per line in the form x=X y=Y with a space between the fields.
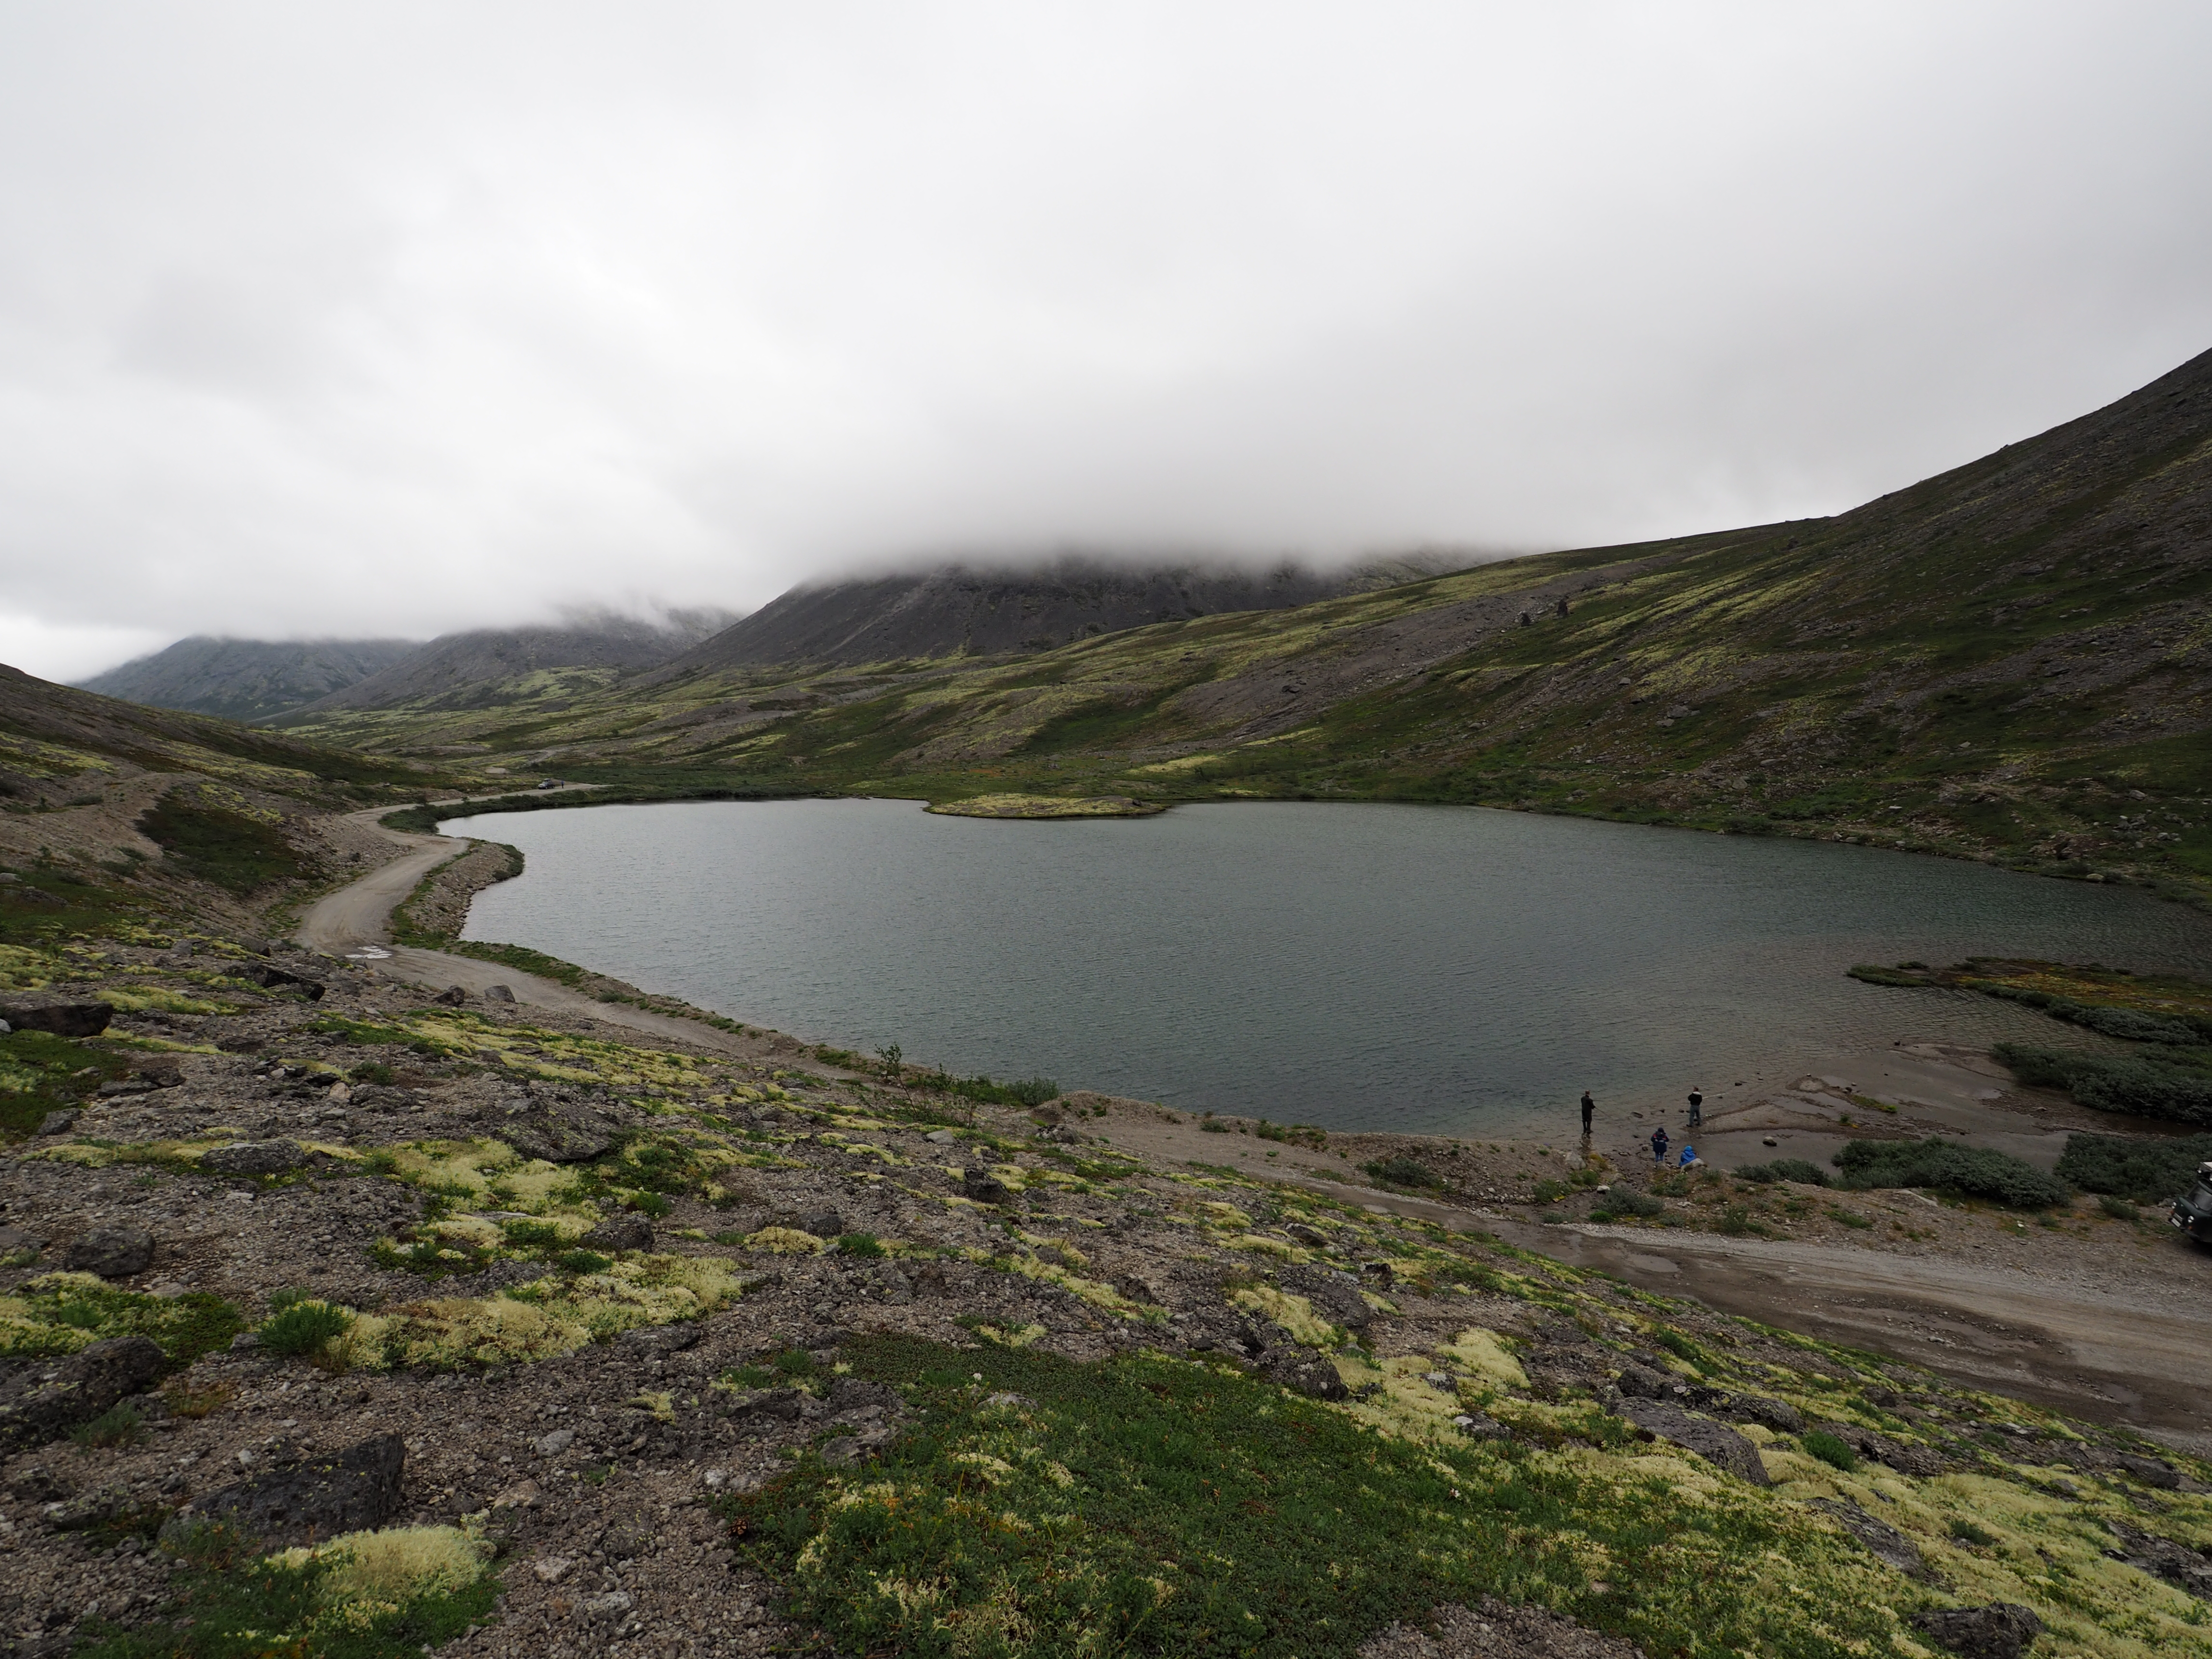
x=248 y=679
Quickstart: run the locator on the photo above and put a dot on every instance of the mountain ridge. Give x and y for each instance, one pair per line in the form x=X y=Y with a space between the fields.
x=246 y=679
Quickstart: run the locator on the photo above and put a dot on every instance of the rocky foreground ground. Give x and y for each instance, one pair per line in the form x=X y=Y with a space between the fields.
x=341 y=1317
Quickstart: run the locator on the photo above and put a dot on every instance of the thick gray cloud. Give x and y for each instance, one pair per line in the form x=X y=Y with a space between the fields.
x=387 y=320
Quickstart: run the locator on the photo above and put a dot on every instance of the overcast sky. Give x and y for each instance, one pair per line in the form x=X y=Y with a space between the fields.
x=394 y=318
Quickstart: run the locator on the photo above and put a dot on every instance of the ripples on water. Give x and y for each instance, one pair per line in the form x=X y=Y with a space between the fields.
x=1417 y=968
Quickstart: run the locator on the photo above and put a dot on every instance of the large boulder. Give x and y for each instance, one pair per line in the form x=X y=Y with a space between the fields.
x=1335 y=1296
x=311 y=1500
x=255 y=1158
x=2178 y=1564
x=1716 y=1442
x=624 y=1231
x=1303 y=1372
x=270 y=977
x=1883 y=1541
x=45 y=1397
x=111 y=1252
x=69 y=1019
x=982 y=1186
x=2001 y=1630
x=570 y=1137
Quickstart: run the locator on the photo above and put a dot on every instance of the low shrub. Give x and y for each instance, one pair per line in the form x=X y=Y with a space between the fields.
x=1818 y=1443
x=304 y=1327
x=2174 y=1084
x=582 y=1261
x=653 y=1204
x=1402 y=1171
x=1971 y=1171
x=1784 y=1168
x=1964 y=1531
x=1626 y=1201
x=2145 y=1170
x=2118 y=1208
x=121 y=1424
x=864 y=1245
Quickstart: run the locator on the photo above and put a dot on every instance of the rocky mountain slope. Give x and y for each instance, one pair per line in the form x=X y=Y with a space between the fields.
x=248 y=679
x=491 y=666
x=979 y=610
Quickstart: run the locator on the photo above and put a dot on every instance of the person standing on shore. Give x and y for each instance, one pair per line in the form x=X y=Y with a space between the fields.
x=1696 y=1107
x=1589 y=1110
x=1659 y=1145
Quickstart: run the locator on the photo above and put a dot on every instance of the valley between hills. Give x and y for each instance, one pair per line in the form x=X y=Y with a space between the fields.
x=366 y=1293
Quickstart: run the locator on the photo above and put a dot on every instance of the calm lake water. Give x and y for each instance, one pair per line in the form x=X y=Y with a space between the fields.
x=1436 y=969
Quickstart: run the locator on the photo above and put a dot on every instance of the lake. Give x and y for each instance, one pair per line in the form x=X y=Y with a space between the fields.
x=1425 y=968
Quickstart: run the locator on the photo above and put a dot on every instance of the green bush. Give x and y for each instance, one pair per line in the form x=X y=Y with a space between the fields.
x=1034 y=1091
x=373 y=1071
x=1818 y=1443
x=1966 y=1532
x=233 y=852
x=1626 y=1201
x=304 y=1327
x=1402 y=1171
x=2118 y=1208
x=864 y=1245
x=1141 y=1506
x=651 y=1204
x=1971 y=1171
x=2175 y=1084
x=2145 y=1170
x=582 y=1261
x=121 y=1425
x=1785 y=1169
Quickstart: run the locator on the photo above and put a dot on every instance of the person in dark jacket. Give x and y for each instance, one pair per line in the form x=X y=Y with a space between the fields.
x=1589 y=1110
x=1659 y=1145
x=1697 y=1109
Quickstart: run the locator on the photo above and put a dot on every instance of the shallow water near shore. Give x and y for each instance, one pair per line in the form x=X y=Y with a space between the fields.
x=1422 y=969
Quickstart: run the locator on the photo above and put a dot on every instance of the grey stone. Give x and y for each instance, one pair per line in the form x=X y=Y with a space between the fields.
x=1303 y=1372
x=941 y=1137
x=2178 y=1564
x=69 y=1019
x=311 y=1500
x=1779 y=1415
x=60 y=1122
x=14 y=1241
x=2001 y=1630
x=2151 y=1471
x=553 y=1444
x=1477 y=1426
x=823 y=1224
x=111 y=1252
x=1335 y=1296
x=1716 y=1442
x=1312 y=1237
x=1883 y=1541
x=575 y=1137
x=659 y=1341
x=623 y=1231
x=45 y=1397
x=453 y=996
x=612 y=1605
x=271 y=977
x=979 y=1186
x=255 y=1158
x=497 y=993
